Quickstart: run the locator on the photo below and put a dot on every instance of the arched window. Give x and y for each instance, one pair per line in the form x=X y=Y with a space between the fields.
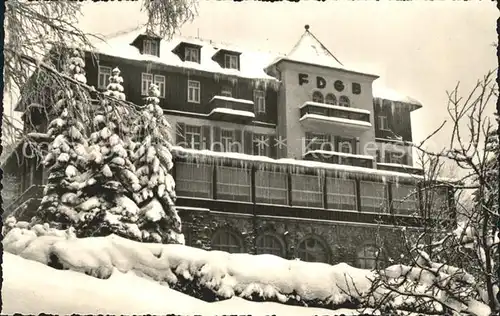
x=318 y=97
x=270 y=244
x=225 y=240
x=344 y=101
x=367 y=257
x=312 y=250
x=331 y=99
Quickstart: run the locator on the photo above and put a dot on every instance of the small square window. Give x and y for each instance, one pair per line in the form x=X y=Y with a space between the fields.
x=150 y=47
x=192 y=54
x=226 y=92
x=260 y=101
x=160 y=82
x=104 y=75
x=383 y=124
x=147 y=80
x=193 y=91
x=231 y=61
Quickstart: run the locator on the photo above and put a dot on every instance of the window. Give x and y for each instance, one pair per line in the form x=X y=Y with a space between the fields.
x=231 y=61
x=404 y=199
x=382 y=123
x=228 y=241
x=346 y=145
x=344 y=101
x=316 y=141
x=330 y=99
x=271 y=187
x=317 y=97
x=150 y=47
x=367 y=257
x=226 y=92
x=398 y=157
x=439 y=199
x=373 y=197
x=260 y=101
x=307 y=190
x=193 y=180
x=160 y=82
x=341 y=194
x=261 y=146
x=312 y=250
x=192 y=54
x=104 y=75
x=233 y=184
x=227 y=140
x=193 y=137
x=270 y=244
x=193 y=91
x=147 y=80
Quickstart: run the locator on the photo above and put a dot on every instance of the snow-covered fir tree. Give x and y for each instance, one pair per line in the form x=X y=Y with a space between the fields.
x=109 y=207
x=67 y=156
x=159 y=221
x=77 y=66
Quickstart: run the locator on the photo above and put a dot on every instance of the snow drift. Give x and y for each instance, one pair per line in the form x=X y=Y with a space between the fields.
x=214 y=275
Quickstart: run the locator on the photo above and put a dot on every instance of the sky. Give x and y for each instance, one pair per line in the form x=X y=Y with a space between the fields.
x=421 y=49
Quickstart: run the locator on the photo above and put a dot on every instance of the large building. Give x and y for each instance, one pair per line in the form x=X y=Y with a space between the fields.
x=292 y=155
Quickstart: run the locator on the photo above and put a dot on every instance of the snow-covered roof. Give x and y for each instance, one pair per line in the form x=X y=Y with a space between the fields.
x=310 y=50
x=335 y=107
x=389 y=94
x=233 y=112
x=252 y=63
x=336 y=153
x=335 y=119
x=294 y=164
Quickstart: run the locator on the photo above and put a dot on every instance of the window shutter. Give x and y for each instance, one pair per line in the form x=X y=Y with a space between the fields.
x=217 y=144
x=205 y=136
x=180 y=134
x=273 y=153
x=238 y=140
x=248 y=142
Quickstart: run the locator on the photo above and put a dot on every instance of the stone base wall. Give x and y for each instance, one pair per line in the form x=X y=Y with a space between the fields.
x=343 y=241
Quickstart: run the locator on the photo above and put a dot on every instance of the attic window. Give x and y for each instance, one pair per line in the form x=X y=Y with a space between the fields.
x=231 y=61
x=150 y=47
x=192 y=54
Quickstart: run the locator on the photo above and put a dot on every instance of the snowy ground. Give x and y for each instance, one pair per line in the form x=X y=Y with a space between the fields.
x=30 y=287
x=131 y=277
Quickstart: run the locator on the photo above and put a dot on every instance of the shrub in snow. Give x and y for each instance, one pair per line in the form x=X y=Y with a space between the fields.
x=217 y=275
x=153 y=162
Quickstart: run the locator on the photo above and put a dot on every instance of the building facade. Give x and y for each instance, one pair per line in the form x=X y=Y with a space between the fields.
x=291 y=155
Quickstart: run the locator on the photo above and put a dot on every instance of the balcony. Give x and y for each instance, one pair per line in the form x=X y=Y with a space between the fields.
x=400 y=168
x=339 y=158
x=334 y=119
x=231 y=110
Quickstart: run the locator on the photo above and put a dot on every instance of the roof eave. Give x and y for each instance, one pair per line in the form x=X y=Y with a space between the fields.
x=281 y=60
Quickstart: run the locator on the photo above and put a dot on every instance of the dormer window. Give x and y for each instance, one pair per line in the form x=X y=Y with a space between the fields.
x=150 y=47
x=231 y=61
x=192 y=54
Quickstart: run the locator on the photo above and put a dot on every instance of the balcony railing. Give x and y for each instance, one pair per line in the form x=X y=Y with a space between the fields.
x=231 y=109
x=339 y=158
x=334 y=111
x=343 y=120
